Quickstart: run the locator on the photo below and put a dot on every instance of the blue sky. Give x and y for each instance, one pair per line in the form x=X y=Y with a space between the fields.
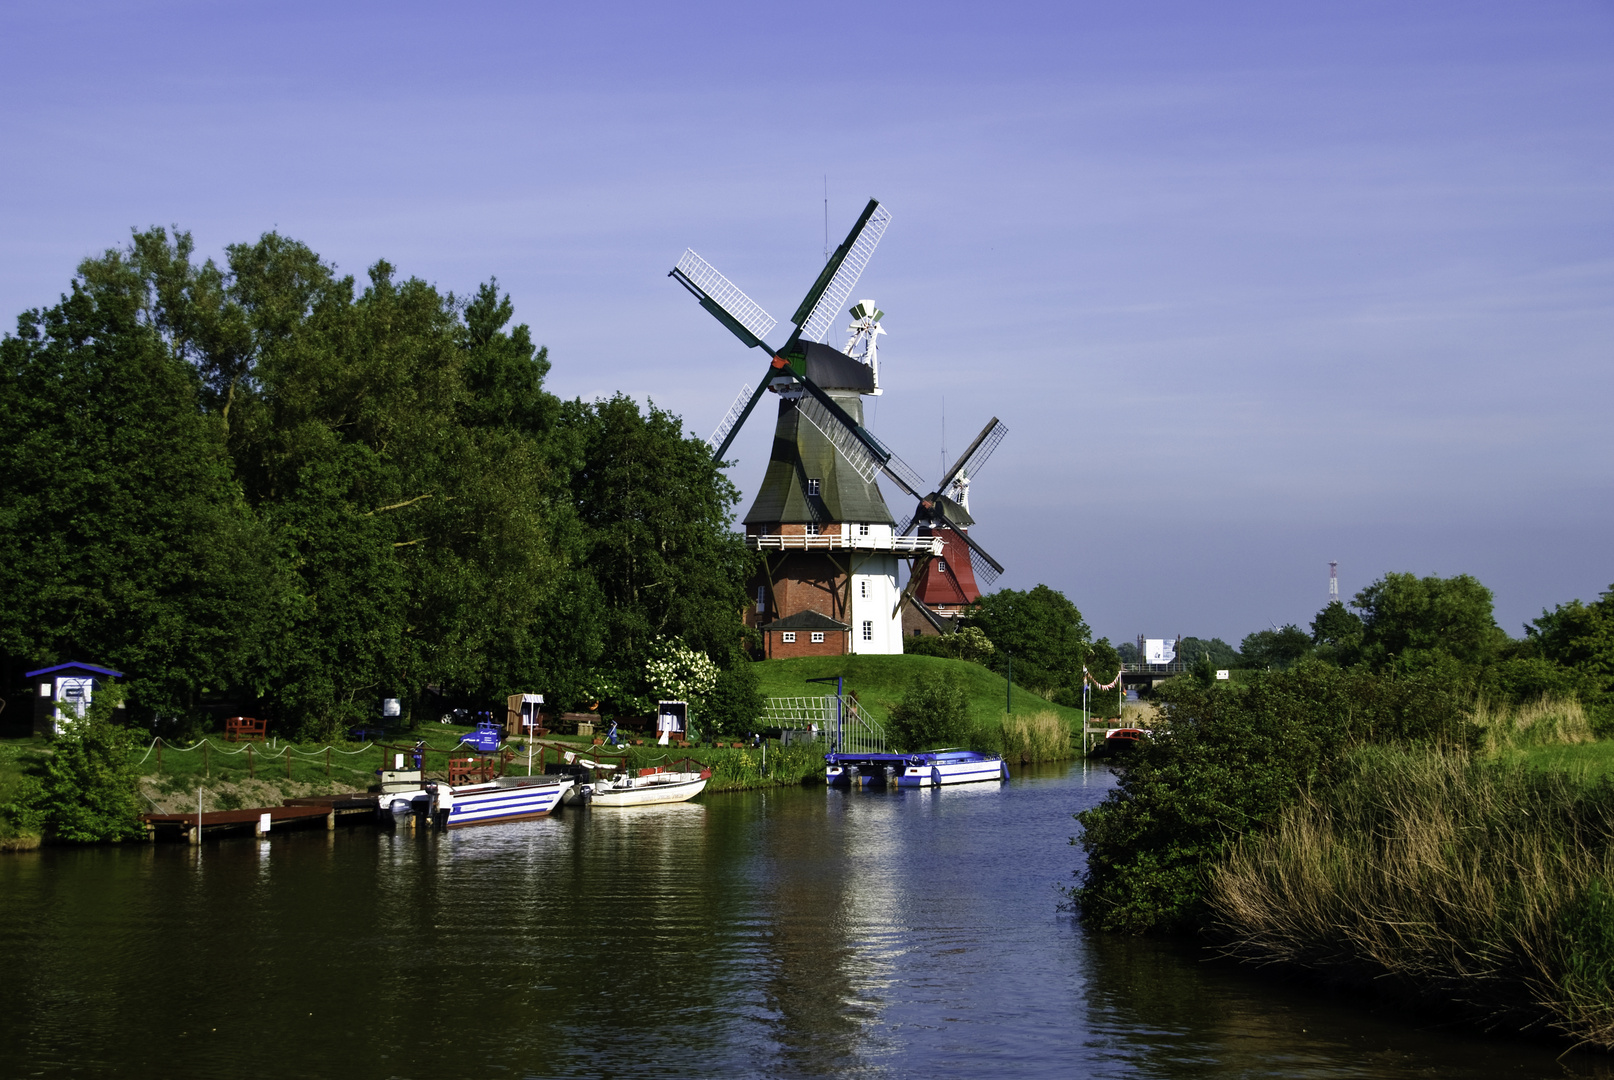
x=1254 y=285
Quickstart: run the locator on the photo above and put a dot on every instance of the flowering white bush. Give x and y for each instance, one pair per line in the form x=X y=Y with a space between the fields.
x=677 y=672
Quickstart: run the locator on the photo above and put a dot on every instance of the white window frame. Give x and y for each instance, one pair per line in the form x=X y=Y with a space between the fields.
x=811 y=528
x=762 y=599
x=813 y=484
x=868 y=629
x=941 y=566
x=863 y=528
x=818 y=637
x=788 y=636
x=864 y=587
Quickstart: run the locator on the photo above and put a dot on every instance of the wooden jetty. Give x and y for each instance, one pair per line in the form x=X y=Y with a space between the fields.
x=307 y=813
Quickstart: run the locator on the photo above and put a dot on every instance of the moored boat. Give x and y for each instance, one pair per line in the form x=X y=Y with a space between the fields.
x=648 y=787
x=507 y=798
x=928 y=768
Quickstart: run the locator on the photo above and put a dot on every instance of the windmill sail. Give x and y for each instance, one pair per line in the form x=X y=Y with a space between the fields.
x=720 y=437
x=970 y=462
x=828 y=296
x=724 y=299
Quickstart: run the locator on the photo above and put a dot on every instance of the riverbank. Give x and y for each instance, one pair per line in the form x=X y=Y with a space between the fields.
x=1374 y=833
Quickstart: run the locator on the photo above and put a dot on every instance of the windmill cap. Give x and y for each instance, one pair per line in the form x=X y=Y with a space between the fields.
x=832 y=369
x=865 y=309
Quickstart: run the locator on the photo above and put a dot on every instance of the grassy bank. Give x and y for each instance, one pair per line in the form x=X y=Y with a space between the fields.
x=1483 y=887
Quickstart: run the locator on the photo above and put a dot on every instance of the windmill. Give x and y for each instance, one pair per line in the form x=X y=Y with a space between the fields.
x=953 y=579
x=829 y=541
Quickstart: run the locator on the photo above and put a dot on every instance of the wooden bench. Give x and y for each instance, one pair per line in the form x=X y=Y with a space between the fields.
x=249 y=728
x=462 y=770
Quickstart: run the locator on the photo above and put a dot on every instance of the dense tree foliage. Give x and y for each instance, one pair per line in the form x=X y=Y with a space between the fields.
x=933 y=713
x=1039 y=632
x=1274 y=649
x=262 y=479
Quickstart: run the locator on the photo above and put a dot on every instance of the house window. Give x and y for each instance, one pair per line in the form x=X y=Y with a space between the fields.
x=789 y=637
x=762 y=599
x=812 y=528
x=812 y=486
x=863 y=528
x=818 y=637
x=941 y=565
x=864 y=585
x=868 y=629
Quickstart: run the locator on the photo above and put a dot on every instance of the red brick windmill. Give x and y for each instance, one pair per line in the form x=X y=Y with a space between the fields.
x=944 y=586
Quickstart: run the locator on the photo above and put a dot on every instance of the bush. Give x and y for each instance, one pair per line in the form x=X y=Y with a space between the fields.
x=734 y=704
x=90 y=792
x=933 y=713
x=1233 y=758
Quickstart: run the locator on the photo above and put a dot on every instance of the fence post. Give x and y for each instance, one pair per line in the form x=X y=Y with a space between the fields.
x=327 y=763
x=288 y=761
x=159 y=755
x=252 y=769
x=207 y=761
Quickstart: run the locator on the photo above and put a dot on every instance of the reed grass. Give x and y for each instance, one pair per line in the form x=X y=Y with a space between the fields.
x=1042 y=736
x=1472 y=885
x=1549 y=721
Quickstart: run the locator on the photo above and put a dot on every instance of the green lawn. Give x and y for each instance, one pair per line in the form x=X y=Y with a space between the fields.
x=1589 y=761
x=880 y=681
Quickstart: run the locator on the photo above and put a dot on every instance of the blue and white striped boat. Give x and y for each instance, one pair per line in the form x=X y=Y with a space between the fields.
x=509 y=798
x=929 y=768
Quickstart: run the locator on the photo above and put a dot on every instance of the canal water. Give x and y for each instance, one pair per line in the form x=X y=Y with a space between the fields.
x=799 y=932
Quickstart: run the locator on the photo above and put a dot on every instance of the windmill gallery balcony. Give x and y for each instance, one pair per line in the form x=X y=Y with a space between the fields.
x=845 y=538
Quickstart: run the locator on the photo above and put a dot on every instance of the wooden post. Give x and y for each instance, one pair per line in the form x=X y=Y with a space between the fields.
x=159 y=755
x=207 y=769
x=252 y=769
x=288 y=761
x=330 y=820
x=328 y=767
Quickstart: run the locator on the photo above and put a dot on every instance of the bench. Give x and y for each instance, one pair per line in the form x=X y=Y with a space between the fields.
x=249 y=728
x=463 y=770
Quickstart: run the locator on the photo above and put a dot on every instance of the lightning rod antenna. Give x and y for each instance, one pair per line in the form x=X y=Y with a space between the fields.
x=826 y=217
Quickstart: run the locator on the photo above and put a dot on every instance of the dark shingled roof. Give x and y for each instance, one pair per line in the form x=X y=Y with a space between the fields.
x=806 y=620
x=800 y=452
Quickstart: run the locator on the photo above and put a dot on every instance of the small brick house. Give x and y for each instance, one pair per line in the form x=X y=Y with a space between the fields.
x=806 y=633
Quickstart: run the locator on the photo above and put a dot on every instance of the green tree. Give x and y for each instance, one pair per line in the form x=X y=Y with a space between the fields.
x=1275 y=649
x=736 y=702
x=933 y=713
x=1218 y=653
x=123 y=536
x=1039 y=631
x=1410 y=622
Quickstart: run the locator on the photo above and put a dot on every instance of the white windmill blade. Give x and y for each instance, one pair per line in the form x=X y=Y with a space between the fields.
x=730 y=417
x=851 y=448
x=835 y=294
x=725 y=294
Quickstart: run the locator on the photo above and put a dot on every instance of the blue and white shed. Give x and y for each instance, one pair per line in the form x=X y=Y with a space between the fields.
x=64 y=692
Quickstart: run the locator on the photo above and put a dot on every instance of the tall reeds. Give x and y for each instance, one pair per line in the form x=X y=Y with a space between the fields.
x=1545 y=722
x=1472 y=884
x=1043 y=736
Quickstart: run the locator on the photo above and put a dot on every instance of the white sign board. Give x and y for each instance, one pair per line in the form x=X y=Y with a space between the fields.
x=1159 y=651
x=1221 y=673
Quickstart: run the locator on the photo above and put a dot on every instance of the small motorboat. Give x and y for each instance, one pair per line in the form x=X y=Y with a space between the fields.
x=929 y=768
x=507 y=798
x=1120 y=741
x=648 y=787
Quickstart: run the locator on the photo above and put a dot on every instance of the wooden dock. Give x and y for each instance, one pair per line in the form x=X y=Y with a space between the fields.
x=308 y=813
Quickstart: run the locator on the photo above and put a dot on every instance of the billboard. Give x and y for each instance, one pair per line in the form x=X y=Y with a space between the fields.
x=1159 y=650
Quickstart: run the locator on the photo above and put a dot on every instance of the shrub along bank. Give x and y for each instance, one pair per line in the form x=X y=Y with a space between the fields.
x=1373 y=831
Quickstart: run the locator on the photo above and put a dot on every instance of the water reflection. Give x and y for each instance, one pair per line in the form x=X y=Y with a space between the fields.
x=782 y=933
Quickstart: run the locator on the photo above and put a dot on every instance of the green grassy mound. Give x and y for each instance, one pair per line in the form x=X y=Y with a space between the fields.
x=880 y=681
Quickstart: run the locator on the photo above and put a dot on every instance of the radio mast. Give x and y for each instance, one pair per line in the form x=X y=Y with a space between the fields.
x=1333 y=581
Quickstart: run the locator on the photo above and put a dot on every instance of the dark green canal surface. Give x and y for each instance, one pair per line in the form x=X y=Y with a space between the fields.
x=779 y=933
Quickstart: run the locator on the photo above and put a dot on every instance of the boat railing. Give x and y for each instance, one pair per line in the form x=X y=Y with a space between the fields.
x=843 y=730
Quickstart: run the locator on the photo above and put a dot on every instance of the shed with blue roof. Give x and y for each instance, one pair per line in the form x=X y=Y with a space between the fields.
x=64 y=691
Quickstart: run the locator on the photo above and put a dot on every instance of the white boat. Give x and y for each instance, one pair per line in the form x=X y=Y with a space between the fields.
x=509 y=798
x=936 y=768
x=649 y=787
